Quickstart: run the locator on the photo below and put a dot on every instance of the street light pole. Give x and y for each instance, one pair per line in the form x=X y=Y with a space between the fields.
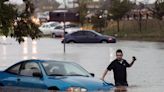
x=64 y=27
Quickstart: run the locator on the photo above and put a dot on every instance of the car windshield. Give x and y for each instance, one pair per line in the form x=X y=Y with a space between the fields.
x=54 y=68
x=53 y=24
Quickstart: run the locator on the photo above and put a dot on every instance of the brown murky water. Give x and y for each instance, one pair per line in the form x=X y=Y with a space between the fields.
x=145 y=76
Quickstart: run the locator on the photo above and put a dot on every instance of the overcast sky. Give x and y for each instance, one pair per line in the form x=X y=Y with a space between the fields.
x=20 y=1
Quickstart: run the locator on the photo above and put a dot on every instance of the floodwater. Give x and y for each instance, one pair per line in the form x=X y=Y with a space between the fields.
x=146 y=75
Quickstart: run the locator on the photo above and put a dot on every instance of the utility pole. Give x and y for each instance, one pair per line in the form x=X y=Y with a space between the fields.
x=74 y=4
x=64 y=26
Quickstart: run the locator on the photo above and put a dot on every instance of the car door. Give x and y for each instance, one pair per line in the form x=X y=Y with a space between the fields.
x=46 y=29
x=79 y=37
x=26 y=78
x=91 y=37
x=11 y=76
x=58 y=30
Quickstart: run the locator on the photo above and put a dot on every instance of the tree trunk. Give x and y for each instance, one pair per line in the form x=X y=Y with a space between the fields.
x=140 y=26
x=118 y=25
x=159 y=23
x=140 y=22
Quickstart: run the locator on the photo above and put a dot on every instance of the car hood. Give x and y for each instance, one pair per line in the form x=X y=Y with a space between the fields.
x=89 y=83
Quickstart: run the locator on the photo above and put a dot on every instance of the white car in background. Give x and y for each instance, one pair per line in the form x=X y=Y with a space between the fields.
x=69 y=28
x=47 y=28
x=57 y=29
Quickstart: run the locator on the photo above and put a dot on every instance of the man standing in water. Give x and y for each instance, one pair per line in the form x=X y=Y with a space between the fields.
x=119 y=66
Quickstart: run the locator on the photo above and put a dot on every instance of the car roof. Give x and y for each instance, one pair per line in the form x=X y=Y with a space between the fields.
x=84 y=31
x=41 y=61
x=37 y=61
x=49 y=23
x=87 y=30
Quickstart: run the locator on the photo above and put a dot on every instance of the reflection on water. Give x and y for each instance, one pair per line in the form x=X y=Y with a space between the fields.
x=33 y=57
x=25 y=46
x=34 y=47
x=111 y=50
x=4 y=51
x=4 y=47
x=25 y=57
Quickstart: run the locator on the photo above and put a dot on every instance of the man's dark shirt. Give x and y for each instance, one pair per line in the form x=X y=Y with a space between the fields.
x=120 y=73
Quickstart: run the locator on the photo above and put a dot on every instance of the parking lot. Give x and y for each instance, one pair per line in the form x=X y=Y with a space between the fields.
x=145 y=75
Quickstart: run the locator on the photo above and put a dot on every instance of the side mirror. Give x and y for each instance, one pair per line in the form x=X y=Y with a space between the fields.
x=37 y=74
x=92 y=74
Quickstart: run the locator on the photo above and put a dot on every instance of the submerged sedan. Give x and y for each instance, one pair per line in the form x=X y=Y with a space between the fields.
x=88 y=36
x=51 y=75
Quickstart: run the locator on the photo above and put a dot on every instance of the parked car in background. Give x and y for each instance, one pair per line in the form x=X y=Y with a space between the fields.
x=88 y=36
x=47 y=28
x=51 y=75
x=58 y=31
x=43 y=16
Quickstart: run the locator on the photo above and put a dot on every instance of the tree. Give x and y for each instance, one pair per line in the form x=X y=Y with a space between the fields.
x=118 y=9
x=46 y=5
x=7 y=16
x=16 y=24
x=98 y=21
x=105 y=4
x=82 y=9
x=159 y=9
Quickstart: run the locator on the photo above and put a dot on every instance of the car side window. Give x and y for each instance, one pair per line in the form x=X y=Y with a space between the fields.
x=44 y=26
x=59 y=27
x=78 y=33
x=14 y=69
x=90 y=34
x=29 y=68
x=53 y=25
x=47 y=26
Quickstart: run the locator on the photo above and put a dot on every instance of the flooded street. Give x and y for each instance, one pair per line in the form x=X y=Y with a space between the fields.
x=145 y=76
